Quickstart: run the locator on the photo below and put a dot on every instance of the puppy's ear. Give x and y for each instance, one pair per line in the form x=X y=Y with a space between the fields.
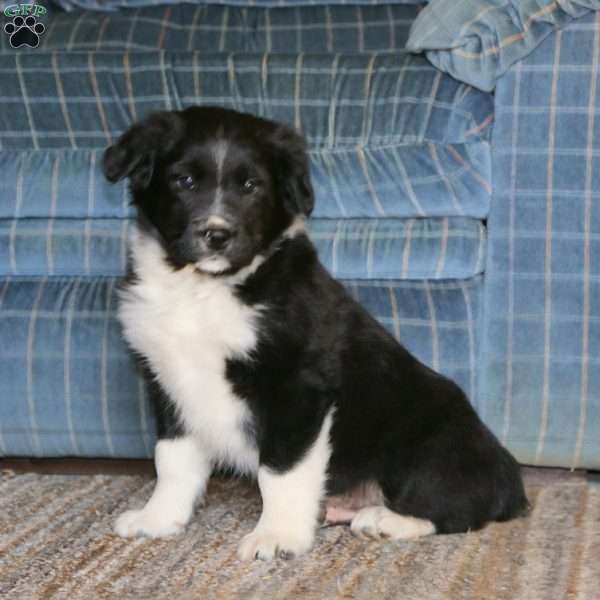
x=133 y=155
x=293 y=172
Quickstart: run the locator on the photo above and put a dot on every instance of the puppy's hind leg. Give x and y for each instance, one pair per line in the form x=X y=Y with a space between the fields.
x=381 y=522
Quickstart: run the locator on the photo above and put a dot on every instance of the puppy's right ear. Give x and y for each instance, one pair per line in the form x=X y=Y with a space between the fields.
x=134 y=154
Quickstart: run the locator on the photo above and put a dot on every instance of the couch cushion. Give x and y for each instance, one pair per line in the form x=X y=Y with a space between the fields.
x=399 y=180
x=350 y=248
x=400 y=248
x=69 y=385
x=210 y=28
x=108 y=5
x=388 y=134
x=340 y=101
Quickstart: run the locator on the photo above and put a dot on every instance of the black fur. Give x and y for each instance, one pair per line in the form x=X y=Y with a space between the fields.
x=396 y=421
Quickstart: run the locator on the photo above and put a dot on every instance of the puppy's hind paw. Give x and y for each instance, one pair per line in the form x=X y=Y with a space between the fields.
x=381 y=522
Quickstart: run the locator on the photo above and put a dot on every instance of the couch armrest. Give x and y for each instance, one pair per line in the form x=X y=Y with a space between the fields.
x=540 y=380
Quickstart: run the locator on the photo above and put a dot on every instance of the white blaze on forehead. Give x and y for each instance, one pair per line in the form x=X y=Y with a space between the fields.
x=219 y=153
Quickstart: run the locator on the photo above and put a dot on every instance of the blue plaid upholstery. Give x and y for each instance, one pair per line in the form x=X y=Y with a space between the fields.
x=349 y=248
x=210 y=28
x=400 y=161
x=85 y=99
x=70 y=386
x=402 y=167
x=540 y=387
x=402 y=180
x=388 y=135
x=477 y=41
x=113 y=4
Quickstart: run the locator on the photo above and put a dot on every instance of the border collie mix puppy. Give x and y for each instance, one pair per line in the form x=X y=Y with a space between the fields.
x=261 y=362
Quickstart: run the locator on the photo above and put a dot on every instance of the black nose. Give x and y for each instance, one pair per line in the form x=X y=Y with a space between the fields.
x=216 y=238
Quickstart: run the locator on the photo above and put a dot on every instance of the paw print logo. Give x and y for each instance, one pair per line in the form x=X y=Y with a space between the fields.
x=24 y=32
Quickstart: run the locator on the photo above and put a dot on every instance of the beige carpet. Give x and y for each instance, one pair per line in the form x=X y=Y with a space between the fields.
x=56 y=542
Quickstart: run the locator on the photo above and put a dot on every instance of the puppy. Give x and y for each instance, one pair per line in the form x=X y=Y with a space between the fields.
x=261 y=362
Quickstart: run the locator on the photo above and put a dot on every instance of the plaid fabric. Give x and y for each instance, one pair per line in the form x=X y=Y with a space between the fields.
x=541 y=369
x=349 y=248
x=477 y=41
x=395 y=181
x=388 y=134
x=389 y=137
x=112 y=4
x=84 y=100
x=210 y=28
x=69 y=385
x=400 y=249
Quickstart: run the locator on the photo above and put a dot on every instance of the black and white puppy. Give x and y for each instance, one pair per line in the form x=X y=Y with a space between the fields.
x=263 y=363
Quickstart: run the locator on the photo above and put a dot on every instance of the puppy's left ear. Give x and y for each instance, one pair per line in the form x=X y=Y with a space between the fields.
x=293 y=172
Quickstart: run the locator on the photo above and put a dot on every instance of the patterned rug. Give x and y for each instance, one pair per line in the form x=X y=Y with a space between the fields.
x=56 y=542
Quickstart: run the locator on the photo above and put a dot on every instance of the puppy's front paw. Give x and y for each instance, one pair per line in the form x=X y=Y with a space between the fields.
x=266 y=545
x=147 y=522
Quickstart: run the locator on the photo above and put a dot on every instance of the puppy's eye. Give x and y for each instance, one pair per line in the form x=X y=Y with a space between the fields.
x=250 y=185
x=185 y=182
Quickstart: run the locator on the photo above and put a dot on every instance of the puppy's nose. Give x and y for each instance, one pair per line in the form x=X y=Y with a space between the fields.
x=216 y=238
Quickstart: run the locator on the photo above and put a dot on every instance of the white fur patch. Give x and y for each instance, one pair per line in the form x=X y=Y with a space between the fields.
x=219 y=153
x=245 y=272
x=216 y=221
x=291 y=504
x=297 y=227
x=379 y=521
x=213 y=264
x=183 y=471
x=187 y=325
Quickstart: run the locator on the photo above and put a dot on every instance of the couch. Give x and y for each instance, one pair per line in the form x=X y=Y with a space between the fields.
x=465 y=220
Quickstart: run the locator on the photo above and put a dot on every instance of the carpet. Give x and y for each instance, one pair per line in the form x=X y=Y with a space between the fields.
x=56 y=542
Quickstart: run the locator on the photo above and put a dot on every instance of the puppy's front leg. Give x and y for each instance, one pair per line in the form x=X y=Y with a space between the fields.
x=291 y=504
x=183 y=470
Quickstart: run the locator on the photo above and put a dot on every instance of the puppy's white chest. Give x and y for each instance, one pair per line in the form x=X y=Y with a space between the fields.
x=187 y=325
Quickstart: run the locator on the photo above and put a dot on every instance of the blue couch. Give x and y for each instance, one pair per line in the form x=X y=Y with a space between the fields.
x=465 y=221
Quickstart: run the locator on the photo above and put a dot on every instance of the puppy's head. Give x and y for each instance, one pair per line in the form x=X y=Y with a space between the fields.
x=217 y=185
